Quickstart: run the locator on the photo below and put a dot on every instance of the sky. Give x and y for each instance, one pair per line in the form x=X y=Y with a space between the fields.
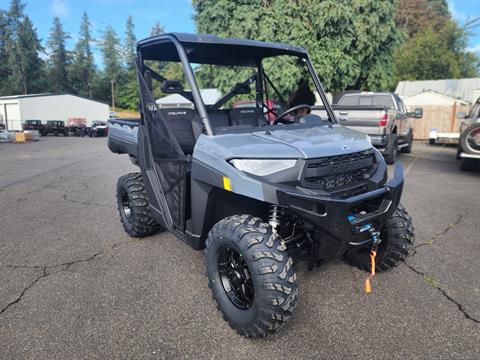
x=174 y=15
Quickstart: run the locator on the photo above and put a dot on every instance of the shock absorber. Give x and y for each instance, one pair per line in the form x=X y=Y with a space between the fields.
x=274 y=218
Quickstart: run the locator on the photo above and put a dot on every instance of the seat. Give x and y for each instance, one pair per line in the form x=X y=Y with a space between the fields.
x=247 y=116
x=179 y=121
x=218 y=119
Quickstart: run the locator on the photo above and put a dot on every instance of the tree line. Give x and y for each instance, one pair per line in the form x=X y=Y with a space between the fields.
x=354 y=44
x=28 y=67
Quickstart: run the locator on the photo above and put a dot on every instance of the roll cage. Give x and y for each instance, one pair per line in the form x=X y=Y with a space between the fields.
x=213 y=50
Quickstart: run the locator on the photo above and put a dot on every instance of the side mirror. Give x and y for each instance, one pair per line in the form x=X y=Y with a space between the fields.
x=418 y=113
x=172 y=87
x=461 y=115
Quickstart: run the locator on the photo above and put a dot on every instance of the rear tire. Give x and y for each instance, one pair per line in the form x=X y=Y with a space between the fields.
x=469 y=164
x=397 y=240
x=262 y=275
x=392 y=150
x=132 y=204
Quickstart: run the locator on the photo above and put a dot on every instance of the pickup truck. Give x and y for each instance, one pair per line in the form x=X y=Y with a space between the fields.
x=381 y=115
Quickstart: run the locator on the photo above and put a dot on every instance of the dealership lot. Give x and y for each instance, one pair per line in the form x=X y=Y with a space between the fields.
x=73 y=284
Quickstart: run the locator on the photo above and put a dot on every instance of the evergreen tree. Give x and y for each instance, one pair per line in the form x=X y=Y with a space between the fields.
x=30 y=66
x=4 y=70
x=130 y=44
x=351 y=43
x=111 y=53
x=157 y=29
x=83 y=67
x=14 y=18
x=59 y=58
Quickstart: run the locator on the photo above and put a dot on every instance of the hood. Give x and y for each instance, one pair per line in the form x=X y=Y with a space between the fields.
x=312 y=142
x=319 y=141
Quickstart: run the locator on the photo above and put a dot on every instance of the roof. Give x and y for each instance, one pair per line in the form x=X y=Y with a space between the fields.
x=465 y=89
x=431 y=97
x=209 y=96
x=211 y=49
x=47 y=94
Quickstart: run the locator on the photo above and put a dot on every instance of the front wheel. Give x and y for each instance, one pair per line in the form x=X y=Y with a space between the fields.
x=392 y=150
x=251 y=275
x=397 y=240
x=408 y=149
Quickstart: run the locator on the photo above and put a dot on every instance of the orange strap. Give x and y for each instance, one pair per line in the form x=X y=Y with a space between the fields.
x=368 y=288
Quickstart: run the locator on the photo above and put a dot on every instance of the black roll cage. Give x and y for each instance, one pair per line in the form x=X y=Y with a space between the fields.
x=180 y=40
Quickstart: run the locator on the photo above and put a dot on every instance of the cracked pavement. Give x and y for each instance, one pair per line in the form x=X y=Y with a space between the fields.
x=74 y=285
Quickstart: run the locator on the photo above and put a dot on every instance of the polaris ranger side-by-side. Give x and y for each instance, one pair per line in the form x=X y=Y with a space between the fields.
x=256 y=196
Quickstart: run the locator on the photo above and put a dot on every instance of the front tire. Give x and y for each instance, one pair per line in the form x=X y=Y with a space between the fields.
x=408 y=149
x=397 y=240
x=392 y=150
x=246 y=260
x=132 y=204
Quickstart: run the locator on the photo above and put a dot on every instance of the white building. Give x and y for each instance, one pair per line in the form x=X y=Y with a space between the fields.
x=14 y=110
x=209 y=96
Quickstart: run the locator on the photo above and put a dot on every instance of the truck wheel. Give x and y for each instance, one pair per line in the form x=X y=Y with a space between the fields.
x=469 y=164
x=470 y=139
x=132 y=203
x=431 y=141
x=397 y=239
x=392 y=150
x=408 y=149
x=251 y=275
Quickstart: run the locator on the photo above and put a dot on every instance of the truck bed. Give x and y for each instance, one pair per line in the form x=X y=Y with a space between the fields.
x=122 y=136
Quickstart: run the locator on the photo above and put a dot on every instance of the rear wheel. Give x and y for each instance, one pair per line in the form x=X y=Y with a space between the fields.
x=132 y=203
x=251 y=275
x=397 y=240
x=392 y=150
x=469 y=164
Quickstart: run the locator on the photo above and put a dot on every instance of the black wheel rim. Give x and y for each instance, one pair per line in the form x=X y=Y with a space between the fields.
x=127 y=210
x=235 y=277
x=473 y=140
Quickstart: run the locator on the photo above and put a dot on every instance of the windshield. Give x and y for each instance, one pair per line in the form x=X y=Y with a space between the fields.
x=367 y=100
x=286 y=83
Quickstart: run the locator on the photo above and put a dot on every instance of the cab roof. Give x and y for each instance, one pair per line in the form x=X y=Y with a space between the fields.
x=211 y=49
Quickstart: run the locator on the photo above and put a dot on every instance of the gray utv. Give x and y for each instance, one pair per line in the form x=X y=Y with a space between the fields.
x=255 y=182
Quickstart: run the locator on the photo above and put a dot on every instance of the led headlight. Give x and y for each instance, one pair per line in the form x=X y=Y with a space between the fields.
x=262 y=167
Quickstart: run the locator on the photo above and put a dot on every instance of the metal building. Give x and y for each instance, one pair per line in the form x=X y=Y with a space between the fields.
x=14 y=110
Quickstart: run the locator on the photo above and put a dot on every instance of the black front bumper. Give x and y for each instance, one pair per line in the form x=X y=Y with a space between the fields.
x=331 y=216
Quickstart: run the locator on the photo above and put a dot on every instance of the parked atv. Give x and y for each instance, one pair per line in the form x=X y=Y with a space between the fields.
x=98 y=129
x=257 y=197
x=54 y=127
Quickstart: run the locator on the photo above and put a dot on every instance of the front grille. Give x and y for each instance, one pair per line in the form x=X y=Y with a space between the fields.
x=340 y=171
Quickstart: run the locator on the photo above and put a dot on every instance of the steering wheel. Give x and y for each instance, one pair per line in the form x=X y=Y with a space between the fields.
x=280 y=119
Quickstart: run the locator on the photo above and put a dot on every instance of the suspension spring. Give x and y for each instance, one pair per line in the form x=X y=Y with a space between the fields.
x=274 y=218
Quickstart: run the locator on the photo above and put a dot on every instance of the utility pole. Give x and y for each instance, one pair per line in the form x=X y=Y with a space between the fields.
x=113 y=94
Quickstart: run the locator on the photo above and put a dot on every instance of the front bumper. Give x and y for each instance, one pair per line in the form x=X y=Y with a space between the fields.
x=331 y=216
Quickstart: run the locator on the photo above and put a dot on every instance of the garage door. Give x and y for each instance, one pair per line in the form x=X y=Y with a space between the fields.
x=11 y=112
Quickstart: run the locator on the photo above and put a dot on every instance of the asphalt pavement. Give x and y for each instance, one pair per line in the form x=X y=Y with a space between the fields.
x=73 y=285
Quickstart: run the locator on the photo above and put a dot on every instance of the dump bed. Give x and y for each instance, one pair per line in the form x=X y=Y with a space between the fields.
x=122 y=136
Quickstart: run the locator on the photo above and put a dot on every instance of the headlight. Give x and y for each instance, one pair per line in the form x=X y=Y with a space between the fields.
x=263 y=167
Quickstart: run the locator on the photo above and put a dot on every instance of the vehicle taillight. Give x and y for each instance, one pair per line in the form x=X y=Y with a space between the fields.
x=383 y=119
